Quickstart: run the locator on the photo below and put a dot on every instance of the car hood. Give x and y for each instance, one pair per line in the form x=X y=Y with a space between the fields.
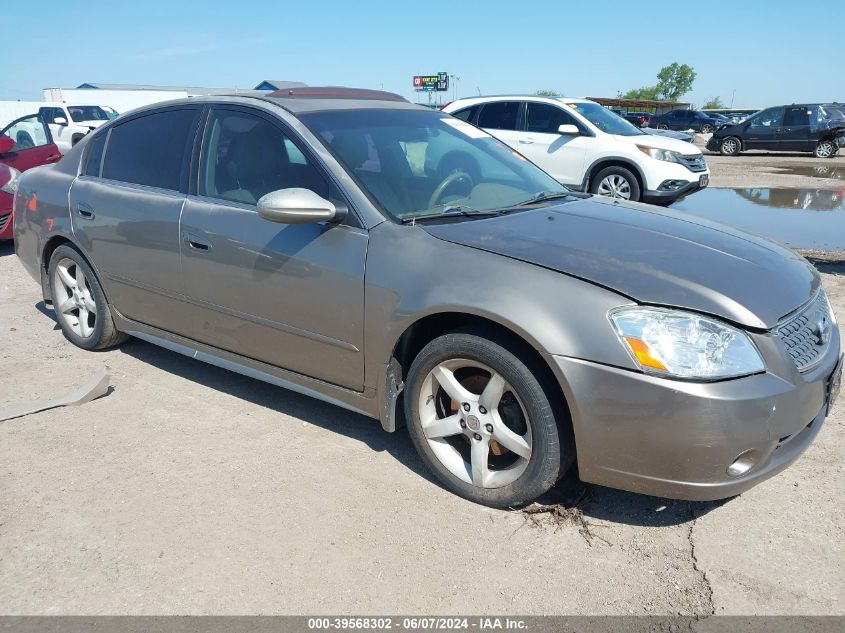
x=661 y=142
x=651 y=255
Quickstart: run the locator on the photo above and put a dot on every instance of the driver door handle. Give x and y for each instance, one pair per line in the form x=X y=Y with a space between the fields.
x=84 y=211
x=197 y=243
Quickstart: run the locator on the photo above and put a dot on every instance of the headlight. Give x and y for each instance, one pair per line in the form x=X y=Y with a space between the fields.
x=660 y=154
x=11 y=185
x=685 y=345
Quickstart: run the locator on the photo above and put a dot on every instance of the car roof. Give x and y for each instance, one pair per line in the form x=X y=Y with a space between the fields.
x=482 y=99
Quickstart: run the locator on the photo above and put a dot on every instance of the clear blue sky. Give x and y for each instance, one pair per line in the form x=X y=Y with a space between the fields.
x=768 y=51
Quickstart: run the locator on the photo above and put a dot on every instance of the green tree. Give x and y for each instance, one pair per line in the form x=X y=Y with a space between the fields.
x=713 y=104
x=548 y=93
x=675 y=80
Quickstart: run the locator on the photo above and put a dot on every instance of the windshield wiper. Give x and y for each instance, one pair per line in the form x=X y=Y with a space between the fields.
x=452 y=211
x=543 y=196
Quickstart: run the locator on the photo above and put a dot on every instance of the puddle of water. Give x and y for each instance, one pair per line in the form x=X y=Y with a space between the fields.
x=835 y=172
x=799 y=218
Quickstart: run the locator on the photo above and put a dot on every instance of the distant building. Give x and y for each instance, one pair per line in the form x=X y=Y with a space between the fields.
x=124 y=97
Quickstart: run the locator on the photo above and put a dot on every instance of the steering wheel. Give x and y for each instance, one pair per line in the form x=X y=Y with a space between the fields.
x=454 y=177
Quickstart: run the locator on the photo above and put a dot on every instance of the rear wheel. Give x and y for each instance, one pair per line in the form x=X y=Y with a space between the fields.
x=662 y=126
x=481 y=421
x=706 y=128
x=616 y=182
x=826 y=149
x=730 y=146
x=79 y=302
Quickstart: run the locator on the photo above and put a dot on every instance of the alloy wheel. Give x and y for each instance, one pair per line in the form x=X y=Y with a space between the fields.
x=729 y=146
x=825 y=149
x=73 y=300
x=615 y=186
x=475 y=423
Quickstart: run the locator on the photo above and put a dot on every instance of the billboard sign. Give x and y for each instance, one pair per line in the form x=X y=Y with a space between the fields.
x=432 y=83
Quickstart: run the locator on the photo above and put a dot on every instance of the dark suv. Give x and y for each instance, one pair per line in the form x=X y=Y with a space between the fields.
x=817 y=128
x=686 y=120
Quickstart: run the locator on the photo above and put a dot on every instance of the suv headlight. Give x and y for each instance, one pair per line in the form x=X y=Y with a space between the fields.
x=680 y=344
x=11 y=185
x=660 y=154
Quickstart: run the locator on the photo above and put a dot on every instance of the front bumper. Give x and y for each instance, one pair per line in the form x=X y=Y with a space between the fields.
x=665 y=196
x=677 y=439
x=6 y=216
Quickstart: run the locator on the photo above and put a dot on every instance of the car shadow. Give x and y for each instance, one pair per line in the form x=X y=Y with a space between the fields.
x=596 y=502
x=7 y=247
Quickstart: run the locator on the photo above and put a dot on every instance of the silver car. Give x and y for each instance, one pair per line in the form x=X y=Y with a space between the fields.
x=401 y=263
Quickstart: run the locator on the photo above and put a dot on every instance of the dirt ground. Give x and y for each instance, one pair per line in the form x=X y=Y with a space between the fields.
x=191 y=490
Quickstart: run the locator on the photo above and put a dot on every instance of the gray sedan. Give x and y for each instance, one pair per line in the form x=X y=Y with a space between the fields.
x=401 y=263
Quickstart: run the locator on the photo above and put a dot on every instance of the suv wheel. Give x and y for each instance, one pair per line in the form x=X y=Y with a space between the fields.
x=826 y=149
x=79 y=302
x=706 y=128
x=730 y=146
x=481 y=421
x=662 y=126
x=616 y=182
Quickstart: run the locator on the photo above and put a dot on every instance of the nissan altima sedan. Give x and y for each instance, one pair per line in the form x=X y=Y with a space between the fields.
x=404 y=264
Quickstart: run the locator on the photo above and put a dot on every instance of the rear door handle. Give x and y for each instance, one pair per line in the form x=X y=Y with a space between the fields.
x=84 y=211
x=197 y=243
x=526 y=141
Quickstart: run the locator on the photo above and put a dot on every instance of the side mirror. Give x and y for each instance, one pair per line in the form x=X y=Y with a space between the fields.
x=297 y=206
x=60 y=120
x=569 y=130
x=6 y=143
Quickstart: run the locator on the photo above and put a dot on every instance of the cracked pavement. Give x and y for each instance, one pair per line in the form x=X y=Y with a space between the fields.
x=191 y=490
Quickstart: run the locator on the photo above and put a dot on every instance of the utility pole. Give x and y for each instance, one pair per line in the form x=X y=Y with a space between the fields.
x=733 y=93
x=455 y=79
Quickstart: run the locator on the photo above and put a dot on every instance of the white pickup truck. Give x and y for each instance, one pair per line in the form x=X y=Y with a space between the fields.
x=69 y=123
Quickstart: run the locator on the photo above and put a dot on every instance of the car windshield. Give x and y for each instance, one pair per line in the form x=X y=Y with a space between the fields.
x=88 y=113
x=416 y=163
x=604 y=119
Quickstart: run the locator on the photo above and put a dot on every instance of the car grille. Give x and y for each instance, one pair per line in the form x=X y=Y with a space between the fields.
x=807 y=334
x=694 y=163
x=4 y=221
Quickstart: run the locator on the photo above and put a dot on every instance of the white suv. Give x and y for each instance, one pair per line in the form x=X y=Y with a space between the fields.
x=70 y=123
x=589 y=148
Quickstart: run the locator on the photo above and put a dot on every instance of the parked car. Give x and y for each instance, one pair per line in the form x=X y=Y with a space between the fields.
x=24 y=143
x=589 y=148
x=816 y=128
x=70 y=123
x=640 y=119
x=686 y=120
x=299 y=238
x=8 y=182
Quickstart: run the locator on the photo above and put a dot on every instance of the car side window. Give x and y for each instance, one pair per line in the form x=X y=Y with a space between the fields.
x=545 y=118
x=28 y=132
x=150 y=149
x=768 y=118
x=467 y=114
x=95 y=155
x=246 y=156
x=499 y=115
x=797 y=116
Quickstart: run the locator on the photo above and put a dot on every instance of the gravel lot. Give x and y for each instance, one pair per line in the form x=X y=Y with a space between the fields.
x=191 y=490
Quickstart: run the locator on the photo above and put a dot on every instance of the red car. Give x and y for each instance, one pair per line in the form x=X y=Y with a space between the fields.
x=24 y=143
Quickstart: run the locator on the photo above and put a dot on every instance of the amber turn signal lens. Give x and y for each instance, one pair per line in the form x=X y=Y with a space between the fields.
x=643 y=354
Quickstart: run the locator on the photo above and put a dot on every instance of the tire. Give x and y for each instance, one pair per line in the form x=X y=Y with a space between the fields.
x=825 y=149
x=454 y=441
x=662 y=126
x=83 y=314
x=730 y=146
x=76 y=138
x=706 y=128
x=609 y=182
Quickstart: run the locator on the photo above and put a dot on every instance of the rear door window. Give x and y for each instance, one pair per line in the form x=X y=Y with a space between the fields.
x=150 y=150
x=500 y=115
x=467 y=114
x=797 y=116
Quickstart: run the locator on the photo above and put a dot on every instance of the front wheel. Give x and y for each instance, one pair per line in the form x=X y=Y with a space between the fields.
x=706 y=128
x=662 y=126
x=616 y=182
x=729 y=146
x=825 y=149
x=481 y=421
